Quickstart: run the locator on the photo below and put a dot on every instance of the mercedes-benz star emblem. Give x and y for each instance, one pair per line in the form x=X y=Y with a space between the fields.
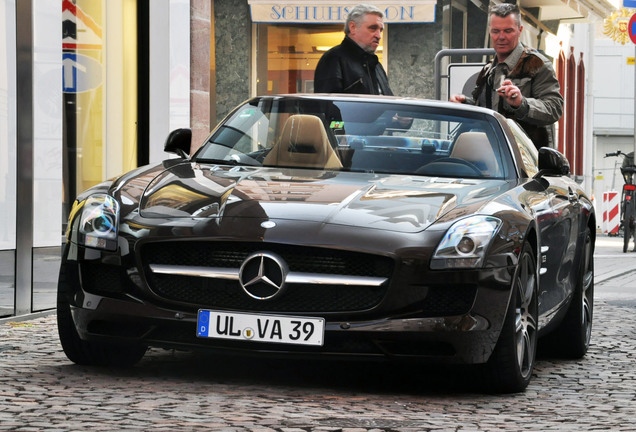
x=262 y=275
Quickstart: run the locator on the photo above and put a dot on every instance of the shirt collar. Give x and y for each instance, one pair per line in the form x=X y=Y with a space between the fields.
x=513 y=58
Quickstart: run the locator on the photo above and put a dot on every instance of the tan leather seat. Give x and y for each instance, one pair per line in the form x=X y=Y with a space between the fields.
x=303 y=143
x=475 y=148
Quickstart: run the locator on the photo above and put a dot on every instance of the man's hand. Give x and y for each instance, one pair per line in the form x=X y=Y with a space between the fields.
x=510 y=93
x=458 y=98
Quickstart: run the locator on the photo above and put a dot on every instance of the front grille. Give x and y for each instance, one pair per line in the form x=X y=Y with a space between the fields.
x=228 y=294
x=298 y=297
x=298 y=258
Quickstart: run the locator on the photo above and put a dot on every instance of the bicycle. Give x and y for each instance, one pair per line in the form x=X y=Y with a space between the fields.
x=628 y=197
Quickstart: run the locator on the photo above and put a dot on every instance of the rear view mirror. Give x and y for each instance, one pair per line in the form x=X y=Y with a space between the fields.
x=178 y=142
x=552 y=162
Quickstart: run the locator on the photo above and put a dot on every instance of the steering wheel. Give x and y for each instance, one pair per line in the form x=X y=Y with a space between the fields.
x=462 y=162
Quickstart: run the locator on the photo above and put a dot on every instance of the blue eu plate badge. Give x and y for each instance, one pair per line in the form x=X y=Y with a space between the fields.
x=203 y=324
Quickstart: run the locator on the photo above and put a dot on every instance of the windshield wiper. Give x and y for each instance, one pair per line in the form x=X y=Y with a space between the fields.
x=217 y=161
x=234 y=160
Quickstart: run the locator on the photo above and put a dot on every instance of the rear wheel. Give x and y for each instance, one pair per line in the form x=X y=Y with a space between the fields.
x=89 y=352
x=627 y=222
x=511 y=364
x=572 y=338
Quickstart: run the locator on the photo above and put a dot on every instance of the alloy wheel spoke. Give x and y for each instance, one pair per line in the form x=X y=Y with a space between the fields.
x=527 y=284
x=532 y=323
x=586 y=316
x=525 y=322
x=528 y=350
x=520 y=350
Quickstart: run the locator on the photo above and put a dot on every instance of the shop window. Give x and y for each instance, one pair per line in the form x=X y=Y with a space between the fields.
x=287 y=55
x=8 y=157
x=455 y=19
x=100 y=89
x=8 y=132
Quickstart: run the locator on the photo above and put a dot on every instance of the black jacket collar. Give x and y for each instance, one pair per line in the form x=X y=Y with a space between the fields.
x=356 y=51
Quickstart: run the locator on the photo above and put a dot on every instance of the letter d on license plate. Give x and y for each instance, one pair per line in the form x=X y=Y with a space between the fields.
x=261 y=328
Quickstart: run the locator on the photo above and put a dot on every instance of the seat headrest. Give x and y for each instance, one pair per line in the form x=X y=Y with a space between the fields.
x=303 y=142
x=475 y=147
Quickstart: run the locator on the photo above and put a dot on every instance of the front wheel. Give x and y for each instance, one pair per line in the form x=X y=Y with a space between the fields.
x=511 y=364
x=89 y=352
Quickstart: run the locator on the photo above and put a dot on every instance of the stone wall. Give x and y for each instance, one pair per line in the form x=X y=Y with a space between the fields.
x=232 y=36
x=412 y=49
x=200 y=16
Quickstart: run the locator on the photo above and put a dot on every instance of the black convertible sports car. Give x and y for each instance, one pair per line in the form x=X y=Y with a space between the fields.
x=329 y=225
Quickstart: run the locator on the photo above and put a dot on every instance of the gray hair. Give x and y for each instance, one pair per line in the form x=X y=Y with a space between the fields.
x=504 y=9
x=358 y=13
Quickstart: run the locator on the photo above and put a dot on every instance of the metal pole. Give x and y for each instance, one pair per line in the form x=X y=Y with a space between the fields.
x=24 y=186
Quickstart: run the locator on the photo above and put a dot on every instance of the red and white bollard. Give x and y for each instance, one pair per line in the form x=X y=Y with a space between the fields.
x=611 y=213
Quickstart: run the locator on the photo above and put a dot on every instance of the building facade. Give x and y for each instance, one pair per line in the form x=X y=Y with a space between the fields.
x=613 y=110
x=90 y=89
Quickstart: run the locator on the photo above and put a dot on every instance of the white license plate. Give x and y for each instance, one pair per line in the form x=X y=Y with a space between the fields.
x=261 y=328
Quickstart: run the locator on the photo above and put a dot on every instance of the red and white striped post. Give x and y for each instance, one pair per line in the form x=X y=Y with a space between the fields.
x=611 y=216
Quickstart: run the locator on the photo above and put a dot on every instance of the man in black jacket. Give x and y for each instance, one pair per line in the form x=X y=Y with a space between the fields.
x=352 y=66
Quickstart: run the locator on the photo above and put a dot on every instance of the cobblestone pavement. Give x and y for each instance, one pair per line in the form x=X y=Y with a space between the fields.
x=40 y=390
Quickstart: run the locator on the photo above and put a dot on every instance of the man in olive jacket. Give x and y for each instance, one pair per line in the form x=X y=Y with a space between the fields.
x=352 y=66
x=520 y=83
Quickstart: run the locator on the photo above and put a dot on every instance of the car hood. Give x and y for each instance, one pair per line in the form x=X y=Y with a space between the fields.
x=390 y=202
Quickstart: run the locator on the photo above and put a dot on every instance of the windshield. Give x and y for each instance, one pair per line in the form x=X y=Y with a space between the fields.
x=361 y=136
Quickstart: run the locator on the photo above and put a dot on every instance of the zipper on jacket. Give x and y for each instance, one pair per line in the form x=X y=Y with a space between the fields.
x=355 y=83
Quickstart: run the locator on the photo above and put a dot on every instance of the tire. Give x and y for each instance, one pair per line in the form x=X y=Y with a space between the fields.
x=632 y=228
x=511 y=364
x=627 y=222
x=572 y=338
x=91 y=353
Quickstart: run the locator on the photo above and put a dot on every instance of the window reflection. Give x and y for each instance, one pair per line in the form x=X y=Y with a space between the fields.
x=287 y=55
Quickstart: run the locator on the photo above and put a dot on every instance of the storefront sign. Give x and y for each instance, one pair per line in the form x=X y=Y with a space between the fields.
x=395 y=12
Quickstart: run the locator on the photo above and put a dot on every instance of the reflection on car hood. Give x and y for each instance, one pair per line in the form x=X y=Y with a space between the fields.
x=388 y=202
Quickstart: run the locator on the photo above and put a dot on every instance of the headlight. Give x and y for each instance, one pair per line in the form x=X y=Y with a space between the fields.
x=465 y=243
x=99 y=222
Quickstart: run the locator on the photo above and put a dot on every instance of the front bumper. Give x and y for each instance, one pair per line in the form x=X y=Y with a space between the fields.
x=466 y=338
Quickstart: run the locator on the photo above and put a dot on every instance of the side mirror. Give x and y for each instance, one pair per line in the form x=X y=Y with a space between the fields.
x=178 y=142
x=552 y=162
